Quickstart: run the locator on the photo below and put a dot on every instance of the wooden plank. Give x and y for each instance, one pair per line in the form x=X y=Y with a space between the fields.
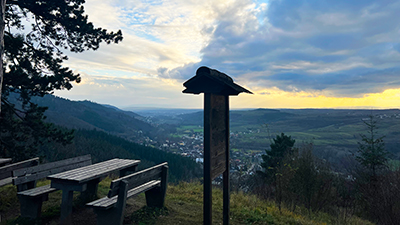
x=44 y=174
x=107 y=202
x=226 y=180
x=137 y=178
x=90 y=173
x=52 y=165
x=207 y=192
x=6 y=171
x=218 y=165
x=98 y=167
x=37 y=191
x=4 y=161
x=152 y=171
x=5 y=181
x=77 y=173
x=218 y=134
x=84 y=174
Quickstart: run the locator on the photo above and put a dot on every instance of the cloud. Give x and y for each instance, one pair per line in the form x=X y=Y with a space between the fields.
x=345 y=48
x=277 y=48
x=125 y=92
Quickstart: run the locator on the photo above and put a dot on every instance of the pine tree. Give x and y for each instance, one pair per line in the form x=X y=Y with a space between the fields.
x=282 y=145
x=372 y=154
x=35 y=33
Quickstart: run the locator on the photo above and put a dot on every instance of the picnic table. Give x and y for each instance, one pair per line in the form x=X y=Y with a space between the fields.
x=4 y=161
x=85 y=180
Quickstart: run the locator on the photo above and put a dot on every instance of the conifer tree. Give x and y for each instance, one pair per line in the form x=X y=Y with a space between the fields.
x=36 y=32
x=282 y=145
x=372 y=154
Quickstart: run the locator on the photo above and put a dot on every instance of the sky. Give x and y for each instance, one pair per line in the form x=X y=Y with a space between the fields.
x=289 y=53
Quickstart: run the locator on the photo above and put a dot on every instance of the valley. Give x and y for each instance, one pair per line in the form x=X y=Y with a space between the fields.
x=333 y=132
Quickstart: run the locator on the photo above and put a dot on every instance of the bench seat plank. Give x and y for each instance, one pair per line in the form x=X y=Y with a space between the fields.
x=6 y=181
x=37 y=191
x=106 y=203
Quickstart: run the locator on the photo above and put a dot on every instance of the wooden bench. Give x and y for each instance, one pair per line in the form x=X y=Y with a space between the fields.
x=152 y=181
x=6 y=171
x=32 y=197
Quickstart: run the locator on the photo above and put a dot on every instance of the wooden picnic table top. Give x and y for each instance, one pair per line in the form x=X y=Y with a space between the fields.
x=3 y=161
x=94 y=171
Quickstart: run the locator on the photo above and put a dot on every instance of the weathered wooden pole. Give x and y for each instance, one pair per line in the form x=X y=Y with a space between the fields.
x=217 y=87
x=2 y=26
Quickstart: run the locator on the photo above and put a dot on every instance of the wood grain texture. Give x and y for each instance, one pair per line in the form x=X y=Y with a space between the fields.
x=106 y=202
x=98 y=170
x=52 y=165
x=218 y=134
x=6 y=171
x=137 y=178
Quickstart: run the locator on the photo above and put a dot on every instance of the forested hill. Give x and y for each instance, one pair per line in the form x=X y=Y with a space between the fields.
x=103 y=146
x=90 y=115
x=107 y=132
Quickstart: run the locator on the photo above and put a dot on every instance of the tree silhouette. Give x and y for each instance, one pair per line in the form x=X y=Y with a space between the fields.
x=35 y=33
x=282 y=145
x=372 y=154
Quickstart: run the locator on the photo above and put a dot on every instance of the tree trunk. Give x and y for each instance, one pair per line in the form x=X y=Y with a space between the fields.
x=2 y=25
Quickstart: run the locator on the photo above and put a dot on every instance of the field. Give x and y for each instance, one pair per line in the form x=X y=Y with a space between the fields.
x=334 y=133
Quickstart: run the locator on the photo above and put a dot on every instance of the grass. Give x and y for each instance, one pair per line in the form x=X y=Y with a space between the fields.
x=183 y=205
x=185 y=201
x=188 y=129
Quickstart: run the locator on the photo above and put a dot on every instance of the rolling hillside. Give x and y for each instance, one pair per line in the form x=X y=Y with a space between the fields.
x=335 y=133
x=90 y=115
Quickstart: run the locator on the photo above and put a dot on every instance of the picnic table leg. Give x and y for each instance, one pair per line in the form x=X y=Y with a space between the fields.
x=91 y=191
x=66 y=206
x=31 y=207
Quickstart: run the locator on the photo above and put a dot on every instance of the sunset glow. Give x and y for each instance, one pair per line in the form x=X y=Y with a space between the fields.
x=315 y=54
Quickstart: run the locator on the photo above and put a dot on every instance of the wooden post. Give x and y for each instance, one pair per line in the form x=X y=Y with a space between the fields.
x=226 y=186
x=2 y=26
x=207 y=198
x=217 y=87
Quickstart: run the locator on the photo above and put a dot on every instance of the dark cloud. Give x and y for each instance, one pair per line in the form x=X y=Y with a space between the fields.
x=347 y=83
x=337 y=42
x=348 y=48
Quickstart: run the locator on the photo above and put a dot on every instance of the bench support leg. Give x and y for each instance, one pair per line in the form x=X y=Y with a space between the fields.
x=155 y=197
x=31 y=207
x=107 y=217
x=66 y=206
x=115 y=215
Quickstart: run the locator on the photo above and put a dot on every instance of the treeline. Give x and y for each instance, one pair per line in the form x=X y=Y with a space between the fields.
x=103 y=146
x=293 y=177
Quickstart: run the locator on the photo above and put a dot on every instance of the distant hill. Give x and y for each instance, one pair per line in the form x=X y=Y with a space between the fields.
x=239 y=117
x=90 y=115
x=334 y=132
